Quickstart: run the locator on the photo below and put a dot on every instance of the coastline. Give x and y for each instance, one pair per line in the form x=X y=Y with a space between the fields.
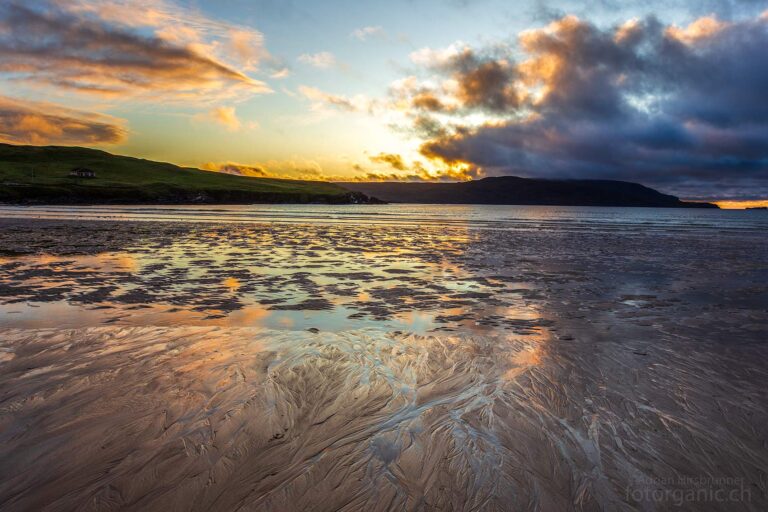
x=58 y=197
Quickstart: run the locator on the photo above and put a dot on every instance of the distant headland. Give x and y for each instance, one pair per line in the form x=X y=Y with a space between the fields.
x=512 y=190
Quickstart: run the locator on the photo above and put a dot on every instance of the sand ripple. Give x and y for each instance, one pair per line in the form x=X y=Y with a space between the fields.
x=211 y=418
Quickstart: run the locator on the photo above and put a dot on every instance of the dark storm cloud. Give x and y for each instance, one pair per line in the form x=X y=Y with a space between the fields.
x=547 y=10
x=681 y=108
x=427 y=101
x=483 y=80
x=484 y=83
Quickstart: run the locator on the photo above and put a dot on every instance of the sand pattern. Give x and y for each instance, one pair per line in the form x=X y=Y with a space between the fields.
x=168 y=366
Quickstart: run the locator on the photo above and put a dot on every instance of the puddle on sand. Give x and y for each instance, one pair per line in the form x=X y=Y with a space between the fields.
x=337 y=319
x=258 y=277
x=66 y=315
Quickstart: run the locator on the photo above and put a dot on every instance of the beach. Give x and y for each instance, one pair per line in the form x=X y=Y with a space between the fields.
x=383 y=358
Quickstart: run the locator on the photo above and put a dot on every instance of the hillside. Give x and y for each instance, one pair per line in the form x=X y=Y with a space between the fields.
x=523 y=191
x=40 y=174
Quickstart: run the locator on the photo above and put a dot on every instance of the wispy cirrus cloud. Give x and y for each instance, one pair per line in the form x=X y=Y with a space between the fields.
x=25 y=122
x=321 y=100
x=281 y=73
x=239 y=46
x=370 y=32
x=138 y=49
x=322 y=60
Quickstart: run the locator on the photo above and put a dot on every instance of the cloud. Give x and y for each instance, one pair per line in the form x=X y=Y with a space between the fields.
x=321 y=100
x=236 y=169
x=241 y=46
x=226 y=117
x=701 y=29
x=281 y=73
x=546 y=10
x=467 y=80
x=366 y=33
x=24 y=122
x=393 y=160
x=679 y=108
x=321 y=60
x=146 y=49
x=297 y=169
x=417 y=172
x=311 y=170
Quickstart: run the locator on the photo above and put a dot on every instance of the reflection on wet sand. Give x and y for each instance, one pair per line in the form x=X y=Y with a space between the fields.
x=257 y=276
x=209 y=418
x=250 y=367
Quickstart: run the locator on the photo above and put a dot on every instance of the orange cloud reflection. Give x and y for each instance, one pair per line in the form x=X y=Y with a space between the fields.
x=231 y=283
x=740 y=205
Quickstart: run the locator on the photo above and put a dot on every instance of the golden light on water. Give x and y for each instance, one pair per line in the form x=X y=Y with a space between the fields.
x=231 y=283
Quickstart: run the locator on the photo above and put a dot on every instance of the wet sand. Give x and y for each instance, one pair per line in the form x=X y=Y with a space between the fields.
x=199 y=366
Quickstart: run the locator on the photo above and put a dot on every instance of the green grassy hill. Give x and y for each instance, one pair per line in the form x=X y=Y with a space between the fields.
x=40 y=174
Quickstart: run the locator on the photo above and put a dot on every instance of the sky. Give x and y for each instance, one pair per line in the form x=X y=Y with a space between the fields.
x=670 y=93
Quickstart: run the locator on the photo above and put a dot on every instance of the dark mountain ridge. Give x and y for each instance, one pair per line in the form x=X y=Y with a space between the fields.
x=523 y=191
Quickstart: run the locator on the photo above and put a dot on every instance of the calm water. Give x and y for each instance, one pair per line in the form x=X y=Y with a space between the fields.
x=476 y=216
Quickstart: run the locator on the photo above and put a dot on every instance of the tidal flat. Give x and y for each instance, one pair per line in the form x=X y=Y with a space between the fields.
x=198 y=365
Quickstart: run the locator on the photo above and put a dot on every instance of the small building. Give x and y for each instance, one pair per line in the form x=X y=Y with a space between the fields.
x=82 y=172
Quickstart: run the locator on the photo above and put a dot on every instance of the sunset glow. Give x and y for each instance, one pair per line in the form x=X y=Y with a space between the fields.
x=740 y=205
x=485 y=88
x=414 y=255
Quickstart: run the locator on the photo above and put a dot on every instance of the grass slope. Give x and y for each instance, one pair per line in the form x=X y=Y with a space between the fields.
x=41 y=174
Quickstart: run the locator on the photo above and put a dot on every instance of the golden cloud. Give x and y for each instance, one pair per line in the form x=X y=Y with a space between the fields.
x=93 y=48
x=236 y=169
x=321 y=99
x=226 y=117
x=24 y=122
x=297 y=169
x=702 y=28
x=393 y=160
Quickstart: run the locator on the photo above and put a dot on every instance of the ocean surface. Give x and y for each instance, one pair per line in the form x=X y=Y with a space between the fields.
x=475 y=216
x=394 y=357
